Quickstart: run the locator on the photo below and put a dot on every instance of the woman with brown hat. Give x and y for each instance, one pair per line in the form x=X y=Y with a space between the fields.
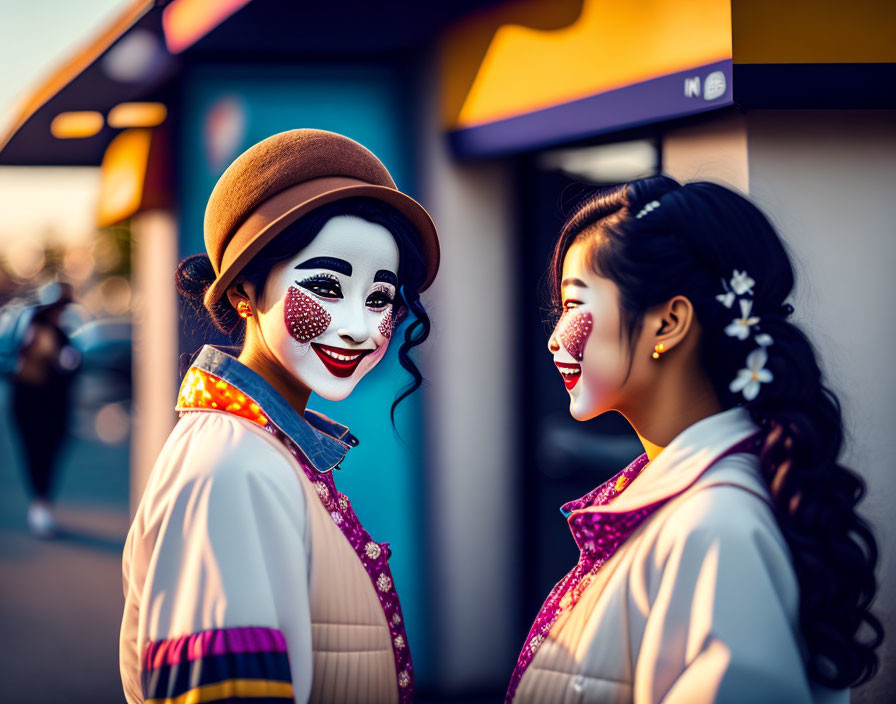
x=247 y=574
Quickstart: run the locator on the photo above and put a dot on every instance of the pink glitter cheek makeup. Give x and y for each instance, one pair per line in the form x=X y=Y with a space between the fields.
x=574 y=334
x=305 y=318
x=387 y=324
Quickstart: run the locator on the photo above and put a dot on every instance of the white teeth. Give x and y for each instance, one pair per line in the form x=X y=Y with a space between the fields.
x=341 y=357
x=570 y=371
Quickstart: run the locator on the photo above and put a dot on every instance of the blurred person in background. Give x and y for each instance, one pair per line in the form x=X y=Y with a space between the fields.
x=726 y=563
x=41 y=364
x=247 y=574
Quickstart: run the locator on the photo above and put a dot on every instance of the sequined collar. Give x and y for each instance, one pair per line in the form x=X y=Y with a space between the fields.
x=678 y=466
x=323 y=441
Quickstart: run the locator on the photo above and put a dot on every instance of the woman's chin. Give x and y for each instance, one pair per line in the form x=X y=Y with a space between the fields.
x=581 y=409
x=576 y=411
x=335 y=390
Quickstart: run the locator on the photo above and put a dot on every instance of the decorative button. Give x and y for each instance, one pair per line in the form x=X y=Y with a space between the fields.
x=373 y=550
x=404 y=679
x=536 y=641
x=383 y=582
x=399 y=642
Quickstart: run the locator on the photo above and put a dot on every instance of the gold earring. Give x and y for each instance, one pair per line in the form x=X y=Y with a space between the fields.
x=658 y=349
x=243 y=309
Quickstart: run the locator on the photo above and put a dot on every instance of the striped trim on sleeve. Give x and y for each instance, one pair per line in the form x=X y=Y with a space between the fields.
x=227 y=664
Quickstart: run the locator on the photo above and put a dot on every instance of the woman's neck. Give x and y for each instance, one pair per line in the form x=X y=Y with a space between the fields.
x=259 y=359
x=669 y=411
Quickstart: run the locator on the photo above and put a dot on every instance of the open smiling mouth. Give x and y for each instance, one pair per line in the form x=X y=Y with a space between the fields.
x=338 y=360
x=570 y=373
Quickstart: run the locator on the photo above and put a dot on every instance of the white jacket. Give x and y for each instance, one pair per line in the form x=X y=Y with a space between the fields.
x=239 y=581
x=698 y=605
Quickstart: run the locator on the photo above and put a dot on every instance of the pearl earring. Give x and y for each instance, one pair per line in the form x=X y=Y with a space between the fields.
x=658 y=349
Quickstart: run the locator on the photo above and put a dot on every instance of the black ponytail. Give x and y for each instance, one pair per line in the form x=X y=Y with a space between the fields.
x=657 y=239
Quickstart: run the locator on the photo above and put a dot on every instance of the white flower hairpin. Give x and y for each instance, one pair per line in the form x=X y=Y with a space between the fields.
x=753 y=376
x=749 y=380
x=740 y=327
x=742 y=283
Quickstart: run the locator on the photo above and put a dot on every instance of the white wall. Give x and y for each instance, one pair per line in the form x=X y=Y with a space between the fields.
x=470 y=416
x=709 y=151
x=828 y=181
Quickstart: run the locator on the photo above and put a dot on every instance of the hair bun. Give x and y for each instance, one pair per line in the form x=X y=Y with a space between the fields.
x=193 y=277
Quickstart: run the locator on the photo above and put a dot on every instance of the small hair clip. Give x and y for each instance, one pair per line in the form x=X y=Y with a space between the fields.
x=786 y=310
x=650 y=207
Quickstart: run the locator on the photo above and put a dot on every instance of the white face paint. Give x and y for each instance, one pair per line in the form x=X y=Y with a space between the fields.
x=590 y=355
x=326 y=314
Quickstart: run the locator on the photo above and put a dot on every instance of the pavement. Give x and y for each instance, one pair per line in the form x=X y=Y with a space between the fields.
x=61 y=600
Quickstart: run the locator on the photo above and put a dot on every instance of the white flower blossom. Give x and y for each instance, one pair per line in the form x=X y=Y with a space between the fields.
x=750 y=379
x=726 y=299
x=741 y=282
x=764 y=339
x=740 y=327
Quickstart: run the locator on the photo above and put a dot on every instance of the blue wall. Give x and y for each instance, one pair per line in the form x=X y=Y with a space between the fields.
x=383 y=474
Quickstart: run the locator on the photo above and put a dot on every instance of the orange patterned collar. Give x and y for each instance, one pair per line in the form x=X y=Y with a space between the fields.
x=201 y=390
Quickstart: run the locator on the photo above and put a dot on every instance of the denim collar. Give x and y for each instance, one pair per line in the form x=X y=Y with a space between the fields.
x=323 y=441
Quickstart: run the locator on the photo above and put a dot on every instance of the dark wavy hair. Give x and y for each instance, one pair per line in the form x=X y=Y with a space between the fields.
x=695 y=238
x=195 y=274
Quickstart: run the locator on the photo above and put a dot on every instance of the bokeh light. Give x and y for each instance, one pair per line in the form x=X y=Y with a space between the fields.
x=112 y=423
x=78 y=263
x=116 y=295
x=25 y=259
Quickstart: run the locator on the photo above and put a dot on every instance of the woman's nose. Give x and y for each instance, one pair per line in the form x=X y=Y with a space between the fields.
x=553 y=345
x=354 y=334
x=354 y=330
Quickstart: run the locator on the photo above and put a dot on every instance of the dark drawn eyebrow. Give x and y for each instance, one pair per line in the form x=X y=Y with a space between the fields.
x=340 y=266
x=574 y=282
x=387 y=276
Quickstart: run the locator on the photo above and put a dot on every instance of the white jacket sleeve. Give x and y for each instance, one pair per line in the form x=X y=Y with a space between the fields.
x=722 y=626
x=226 y=592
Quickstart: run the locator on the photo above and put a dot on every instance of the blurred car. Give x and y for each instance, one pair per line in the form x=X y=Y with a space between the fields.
x=105 y=347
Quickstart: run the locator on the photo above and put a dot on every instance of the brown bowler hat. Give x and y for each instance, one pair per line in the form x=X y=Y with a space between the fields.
x=277 y=181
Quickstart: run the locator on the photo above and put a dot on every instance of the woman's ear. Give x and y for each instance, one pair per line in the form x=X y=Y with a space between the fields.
x=671 y=321
x=237 y=292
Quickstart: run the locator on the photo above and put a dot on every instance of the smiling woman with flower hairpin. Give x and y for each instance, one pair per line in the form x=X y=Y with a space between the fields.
x=727 y=563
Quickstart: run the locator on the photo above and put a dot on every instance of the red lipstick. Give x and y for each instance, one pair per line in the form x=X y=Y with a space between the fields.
x=340 y=362
x=570 y=373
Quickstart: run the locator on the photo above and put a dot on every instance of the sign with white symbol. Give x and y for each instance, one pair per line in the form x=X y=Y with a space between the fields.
x=714 y=86
x=692 y=87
